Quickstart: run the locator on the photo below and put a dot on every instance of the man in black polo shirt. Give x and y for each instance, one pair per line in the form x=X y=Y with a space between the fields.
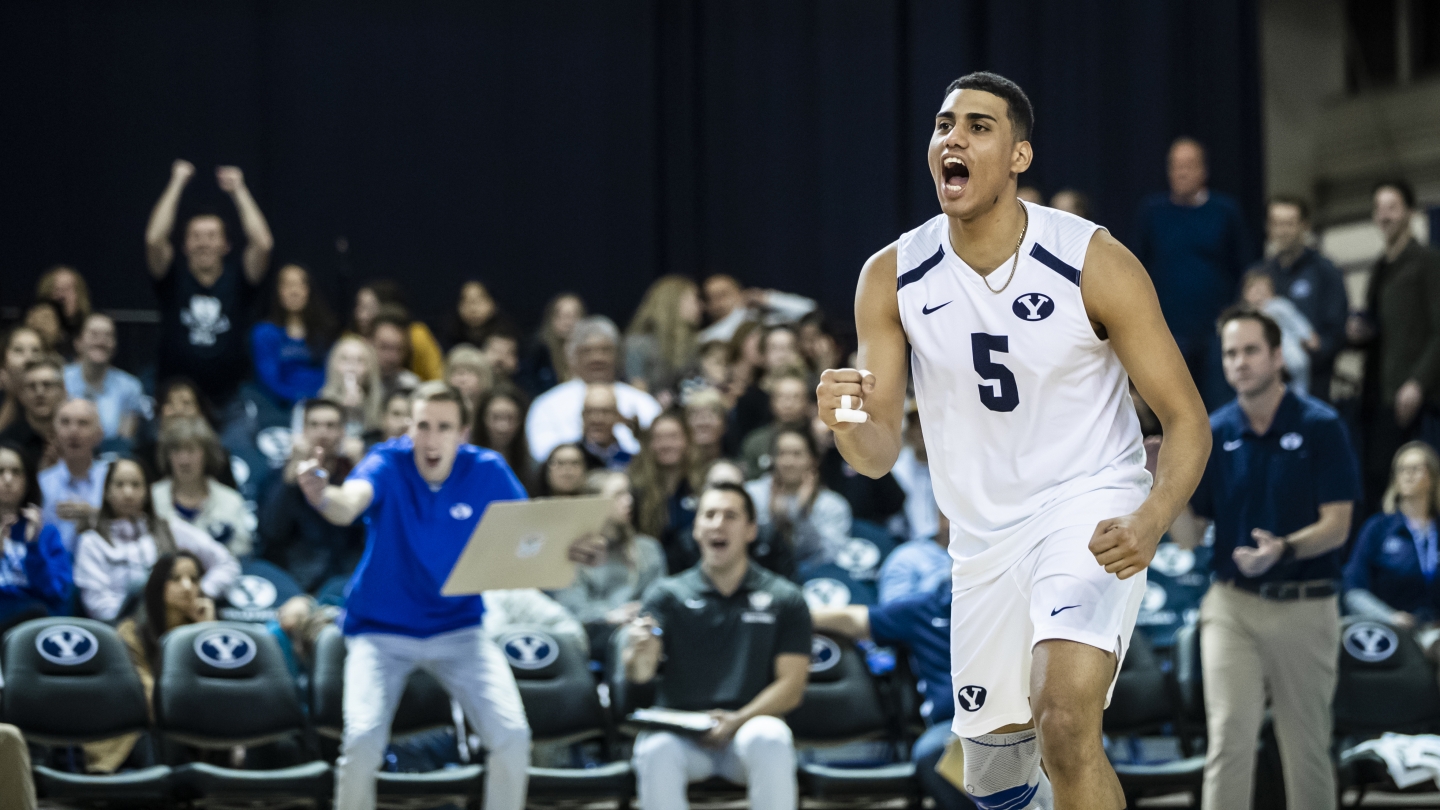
x=1280 y=486
x=736 y=643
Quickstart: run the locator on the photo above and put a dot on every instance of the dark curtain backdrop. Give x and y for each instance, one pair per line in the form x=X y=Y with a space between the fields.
x=568 y=144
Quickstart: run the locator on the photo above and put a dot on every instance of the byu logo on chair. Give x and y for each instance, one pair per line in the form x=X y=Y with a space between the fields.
x=529 y=649
x=251 y=593
x=1033 y=307
x=225 y=648
x=66 y=645
x=1371 y=641
x=824 y=653
x=824 y=592
x=858 y=556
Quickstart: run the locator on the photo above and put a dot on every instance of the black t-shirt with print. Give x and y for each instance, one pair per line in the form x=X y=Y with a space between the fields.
x=203 y=329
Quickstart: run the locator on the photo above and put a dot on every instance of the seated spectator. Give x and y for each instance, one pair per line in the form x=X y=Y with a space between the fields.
x=705 y=415
x=916 y=566
x=779 y=356
x=563 y=474
x=1297 y=337
x=728 y=306
x=390 y=337
x=722 y=471
x=1391 y=573
x=820 y=342
x=352 y=379
x=171 y=598
x=1030 y=194
x=747 y=678
x=683 y=553
x=74 y=486
x=67 y=288
x=42 y=389
x=117 y=394
x=17 y=786
x=599 y=416
x=502 y=349
x=877 y=500
x=467 y=369
x=35 y=574
x=665 y=486
x=506 y=610
x=712 y=370
x=500 y=426
x=660 y=344
x=606 y=596
x=22 y=345
x=289 y=347
x=178 y=398
x=114 y=559
x=921 y=623
x=546 y=365
x=395 y=423
x=187 y=448
x=912 y=472
x=296 y=537
x=555 y=416
x=801 y=522
x=476 y=316
x=791 y=406
x=1071 y=201
x=296 y=627
x=384 y=297
x=44 y=317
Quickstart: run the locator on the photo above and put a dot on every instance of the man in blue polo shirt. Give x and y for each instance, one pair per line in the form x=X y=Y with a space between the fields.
x=421 y=496
x=921 y=623
x=1280 y=486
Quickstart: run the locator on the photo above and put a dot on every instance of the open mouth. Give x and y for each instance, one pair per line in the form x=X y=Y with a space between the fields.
x=718 y=545
x=956 y=173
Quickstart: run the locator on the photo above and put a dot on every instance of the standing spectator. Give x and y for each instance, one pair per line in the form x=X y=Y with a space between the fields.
x=1280 y=486
x=555 y=415
x=705 y=414
x=502 y=349
x=115 y=557
x=1400 y=331
x=877 y=500
x=606 y=596
x=22 y=344
x=289 y=347
x=912 y=471
x=599 y=416
x=665 y=486
x=802 y=524
x=1297 y=336
x=352 y=378
x=44 y=317
x=67 y=288
x=475 y=317
x=35 y=575
x=916 y=566
x=1391 y=573
x=42 y=389
x=728 y=305
x=467 y=370
x=1310 y=281
x=546 y=365
x=500 y=426
x=384 y=296
x=660 y=344
x=1071 y=201
x=1193 y=243
x=74 y=487
x=721 y=657
x=206 y=297
x=187 y=448
x=563 y=473
x=791 y=406
x=117 y=394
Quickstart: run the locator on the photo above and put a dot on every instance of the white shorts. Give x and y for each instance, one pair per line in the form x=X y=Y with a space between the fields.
x=1056 y=591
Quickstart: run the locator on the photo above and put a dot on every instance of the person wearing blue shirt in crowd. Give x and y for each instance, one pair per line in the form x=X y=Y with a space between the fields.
x=1280 y=486
x=916 y=566
x=117 y=395
x=921 y=623
x=35 y=575
x=74 y=486
x=422 y=495
x=1391 y=573
x=289 y=347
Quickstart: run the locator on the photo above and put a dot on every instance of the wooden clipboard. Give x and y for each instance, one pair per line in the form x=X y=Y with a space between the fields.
x=525 y=544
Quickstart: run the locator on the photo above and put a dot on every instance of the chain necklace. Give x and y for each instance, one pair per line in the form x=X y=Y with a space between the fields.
x=1016 y=263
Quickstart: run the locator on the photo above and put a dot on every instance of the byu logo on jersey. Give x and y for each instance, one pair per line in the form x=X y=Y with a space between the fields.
x=225 y=648
x=1033 y=307
x=1371 y=641
x=529 y=649
x=461 y=511
x=66 y=645
x=824 y=653
x=970 y=698
x=251 y=593
x=824 y=592
x=1292 y=441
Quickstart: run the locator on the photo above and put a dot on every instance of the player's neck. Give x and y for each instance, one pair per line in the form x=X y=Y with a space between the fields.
x=985 y=241
x=1259 y=407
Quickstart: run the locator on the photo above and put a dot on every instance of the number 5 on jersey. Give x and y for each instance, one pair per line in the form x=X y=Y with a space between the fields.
x=999 y=391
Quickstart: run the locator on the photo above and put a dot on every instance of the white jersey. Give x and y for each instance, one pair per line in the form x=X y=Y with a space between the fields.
x=1027 y=414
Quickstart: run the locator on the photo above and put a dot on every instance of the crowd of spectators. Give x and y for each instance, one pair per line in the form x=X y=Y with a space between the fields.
x=139 y=507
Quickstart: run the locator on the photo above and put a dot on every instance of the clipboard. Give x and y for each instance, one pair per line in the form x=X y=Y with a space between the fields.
x=525 y=544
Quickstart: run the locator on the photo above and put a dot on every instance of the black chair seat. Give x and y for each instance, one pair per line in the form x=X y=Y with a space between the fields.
x=145 y=785
x=826 y=782
x=608 y=779
x=202 y=780
x=465 y=780
x=1189 y=771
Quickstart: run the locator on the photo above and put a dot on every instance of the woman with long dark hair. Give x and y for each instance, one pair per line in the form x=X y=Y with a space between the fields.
x=545 y=364
x=35 y=576
x=500 y=426
x=22 y=344
x=665 y=484
x=476 y=316
x=289 y=346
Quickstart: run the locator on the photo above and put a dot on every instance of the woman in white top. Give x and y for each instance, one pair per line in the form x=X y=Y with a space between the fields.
x=115 y=557
x=187 y=447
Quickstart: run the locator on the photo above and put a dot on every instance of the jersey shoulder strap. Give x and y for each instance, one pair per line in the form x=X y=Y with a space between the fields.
x=919 y=251
x=1059 y=240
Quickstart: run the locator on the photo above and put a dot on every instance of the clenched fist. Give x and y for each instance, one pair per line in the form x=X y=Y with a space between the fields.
x=181 y=171
x=1125 y=545
x=230 y=178
x=835 y=385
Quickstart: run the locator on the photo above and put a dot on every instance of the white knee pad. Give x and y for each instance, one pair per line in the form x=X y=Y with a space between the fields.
x=1002 y=772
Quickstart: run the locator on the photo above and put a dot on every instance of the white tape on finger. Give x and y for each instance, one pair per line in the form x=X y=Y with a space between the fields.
x=850 y=415
x=845 y=402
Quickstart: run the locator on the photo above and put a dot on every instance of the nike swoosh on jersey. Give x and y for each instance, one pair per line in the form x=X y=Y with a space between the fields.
x=928 y=310
x=1060 y=609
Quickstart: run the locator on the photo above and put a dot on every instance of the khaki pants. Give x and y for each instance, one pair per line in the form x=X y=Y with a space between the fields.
x=1252 y=648
x=16 y=789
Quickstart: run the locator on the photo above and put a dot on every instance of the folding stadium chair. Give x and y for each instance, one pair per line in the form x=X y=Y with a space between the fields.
x=70 y=681
x=225 y=684
x=424 y=705
x=256 y=596
x=1142 y=704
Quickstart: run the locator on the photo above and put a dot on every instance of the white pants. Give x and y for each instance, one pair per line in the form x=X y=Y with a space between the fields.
x=761 y=756
x=472 y=669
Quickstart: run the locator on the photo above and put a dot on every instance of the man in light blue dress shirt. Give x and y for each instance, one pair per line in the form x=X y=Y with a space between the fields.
x=75 y=486
x=117 y=395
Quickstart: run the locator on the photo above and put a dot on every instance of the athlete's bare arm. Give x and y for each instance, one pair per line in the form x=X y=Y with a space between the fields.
x=871 y=446
x=1122 y=306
